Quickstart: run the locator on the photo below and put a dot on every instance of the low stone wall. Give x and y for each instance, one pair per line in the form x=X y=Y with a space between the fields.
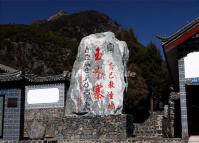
x=116 y=127
x=45 y=116
x=153 y=140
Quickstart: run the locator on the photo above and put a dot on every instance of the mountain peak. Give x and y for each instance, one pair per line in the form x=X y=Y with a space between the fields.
x=57 y=15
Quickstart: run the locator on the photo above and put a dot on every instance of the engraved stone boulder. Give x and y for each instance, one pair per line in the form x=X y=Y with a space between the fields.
x=99 y=76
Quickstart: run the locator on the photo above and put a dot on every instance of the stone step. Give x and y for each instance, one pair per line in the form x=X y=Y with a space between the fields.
x=153 y=140
x=193 y=139
x=152 y=127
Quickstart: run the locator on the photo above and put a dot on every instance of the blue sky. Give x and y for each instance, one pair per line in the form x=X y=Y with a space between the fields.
x=147 y=17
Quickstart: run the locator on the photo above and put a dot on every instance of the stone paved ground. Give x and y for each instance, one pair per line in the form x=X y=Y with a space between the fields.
x=133 y=140
x=130 y=140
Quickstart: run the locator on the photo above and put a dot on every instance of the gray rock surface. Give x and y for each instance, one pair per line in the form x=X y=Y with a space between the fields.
x=99 y=76
x=93 y=127
x=37 y=130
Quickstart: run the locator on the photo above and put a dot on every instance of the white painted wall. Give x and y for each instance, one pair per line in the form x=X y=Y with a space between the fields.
x=46 y=95
x=191 y=63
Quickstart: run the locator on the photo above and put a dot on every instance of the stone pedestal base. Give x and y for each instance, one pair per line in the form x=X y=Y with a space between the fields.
x=116 y=127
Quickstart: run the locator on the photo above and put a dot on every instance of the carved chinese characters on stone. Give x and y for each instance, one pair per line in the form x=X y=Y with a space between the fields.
x=99 y=76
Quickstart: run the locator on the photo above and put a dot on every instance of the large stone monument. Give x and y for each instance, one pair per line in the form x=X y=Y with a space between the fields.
x=99 y=76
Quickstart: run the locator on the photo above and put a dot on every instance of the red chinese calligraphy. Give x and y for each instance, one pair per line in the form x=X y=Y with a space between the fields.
x=110 y=66
x=111 y=75
x=110 y=95
x=111 y=106
x=98 y=72
x=111 y=84
x=98 y=54
x=97 y=91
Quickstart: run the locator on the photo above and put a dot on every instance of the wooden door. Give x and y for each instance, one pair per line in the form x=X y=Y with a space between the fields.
x=193 y=109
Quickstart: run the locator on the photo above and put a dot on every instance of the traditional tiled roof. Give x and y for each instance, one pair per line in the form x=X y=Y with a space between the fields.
x=7 y=69
x=35 y=78
x=172 y=47
x=179 y=32
x=11 y=74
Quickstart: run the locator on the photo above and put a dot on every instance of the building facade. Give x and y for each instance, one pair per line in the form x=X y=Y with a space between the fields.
x=182 y=56
x=25 y=98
